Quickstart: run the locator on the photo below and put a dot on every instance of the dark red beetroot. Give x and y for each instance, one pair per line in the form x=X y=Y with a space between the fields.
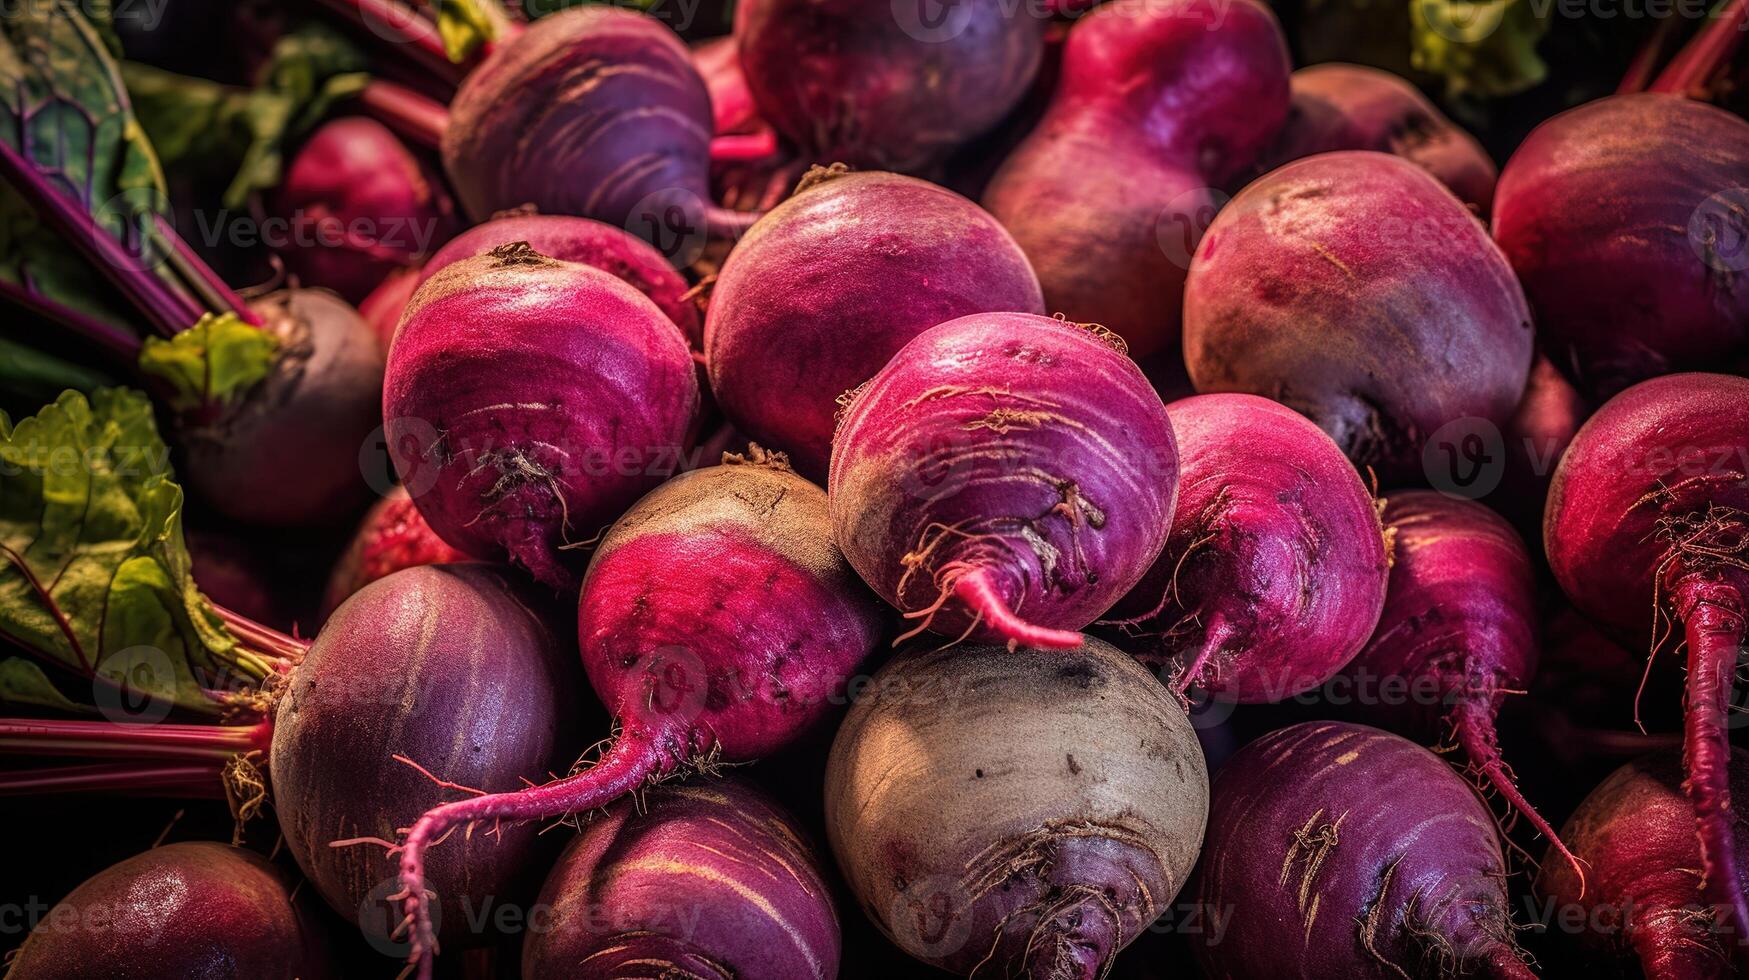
x=1006 y=477
x=451 y=667
x=1386 y=314
x=360 y=206
x=530 y=401
x=1537 y=436
x=1160 y=103
x=1459 y=629
x=1003 y=813
x=1275 y=570
x=587 y=242
x=885 y=86
x=1353 y=107
x=382 y=309
x=689 y=881
x=718 y=622
x=1625 y=220
x=1641 y=894
x=1647 y=529
x=193 y=909
x=391 y=537
x=824 y=290
x=1340 y=850
x=593 y=111
x=718 y=61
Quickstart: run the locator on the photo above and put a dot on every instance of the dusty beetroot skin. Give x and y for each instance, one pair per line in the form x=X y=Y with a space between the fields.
x=1339 y=850
x=1537 y=436
x=1381 y=281
x=391 y=537
x=1648 y=530
x=1015 y=813
x=382 y=309
x=1641 y=894
x=530 y=401
x=1160 y=103
x=1006 y=477
x=361 y=205
x=191 y=909
x=1460 y=628
x=587 y=242
x=593 y=111
x=1653 y=283
x=1275 y=570
x=286 y=453
x=718 y=622
x=695 y=881
x=841 y=78
x=824 y=290
x=453 y=667
x=1353 y=107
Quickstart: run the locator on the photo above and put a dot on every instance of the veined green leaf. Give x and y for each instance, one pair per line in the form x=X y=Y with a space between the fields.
x=210 y=363
x=95 y=580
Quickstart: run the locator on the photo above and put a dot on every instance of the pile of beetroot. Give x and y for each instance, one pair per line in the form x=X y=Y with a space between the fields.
x=802 y=490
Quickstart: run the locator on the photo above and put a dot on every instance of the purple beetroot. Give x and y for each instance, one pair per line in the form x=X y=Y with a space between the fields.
x=1006 y=477
x=529 y=402
x=360 y=206
x=1387 y=312
x=717 y=622
x=1275 y=569
x=827 y=287
x=1647 y=532
x=690 y=881
x=1353 y=107
x=1340 y=850
x=1160 y=104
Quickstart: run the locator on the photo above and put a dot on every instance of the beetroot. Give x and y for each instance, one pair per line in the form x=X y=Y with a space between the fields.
x=382 y=309
x=287 y=452
x=1016 y=813
x=587 y=242
x=700 y=881
x=1006 y=477
x=1648 y=529
x=1641 y=897
x=1459 y=628
x=1343 y=851
x=450 y=667
x=391 y=537
x=193 y=909
x=1386 y=315
x=1275 y=569
x=1353 y=107
x=885 y=86
x=718 y=623
x=1537 y=436
x=718 y=61
x=1651 y=283
x=1160 y=103
x=529 y=401
x=360 y=205
x=593 y=111
x=825 y=289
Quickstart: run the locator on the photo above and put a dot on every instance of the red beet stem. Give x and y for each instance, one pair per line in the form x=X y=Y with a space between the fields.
x=634 y=758
x=744 y=147
x=120 y=778
x=402 y=26
x=412 y=116
x=115 y=740
x=121 y=344
x=1696 y=64
x=974 y=589
x=1647 y=59
x=1472 y=723
x=1712 y=614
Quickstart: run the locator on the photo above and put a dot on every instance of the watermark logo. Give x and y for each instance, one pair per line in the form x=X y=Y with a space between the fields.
x=1465 y=458
x=673 y=220
x=931 y=917
x=933 y=21
x=135 y=686
x=1718 y=230
x=382 y=918
x=405 y=446
x=1185 y=219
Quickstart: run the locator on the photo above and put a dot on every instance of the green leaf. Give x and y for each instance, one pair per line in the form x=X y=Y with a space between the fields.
x=23 y=682
x=95 y=580
x=26 y=370
x=205 y=130
x=1480 y=48
x=210 y=363
x=465 y=27
x=62 y=104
